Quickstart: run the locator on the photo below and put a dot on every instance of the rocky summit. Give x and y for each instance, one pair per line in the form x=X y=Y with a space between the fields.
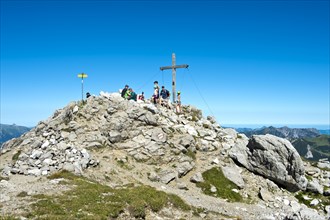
x=117 y=148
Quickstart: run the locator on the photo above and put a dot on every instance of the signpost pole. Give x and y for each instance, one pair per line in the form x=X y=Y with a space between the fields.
x=82 y=76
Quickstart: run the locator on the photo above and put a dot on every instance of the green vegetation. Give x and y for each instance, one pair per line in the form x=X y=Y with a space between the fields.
x=8 y=217
x=16 y=155
x=91 y=200
x=322 y=140
x=320 y=146
x=324 y=201
x=191 y=154
x=22 y=194
x=224 y=186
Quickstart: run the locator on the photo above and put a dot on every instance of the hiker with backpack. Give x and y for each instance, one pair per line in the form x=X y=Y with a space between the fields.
x=164 y=97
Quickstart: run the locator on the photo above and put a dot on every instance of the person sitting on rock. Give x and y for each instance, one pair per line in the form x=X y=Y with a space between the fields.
x=132 y=95
x=141 y=97
x=123 y=92
x=127 y=94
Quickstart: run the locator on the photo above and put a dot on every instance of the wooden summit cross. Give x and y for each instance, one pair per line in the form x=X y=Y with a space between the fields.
x=173 y=67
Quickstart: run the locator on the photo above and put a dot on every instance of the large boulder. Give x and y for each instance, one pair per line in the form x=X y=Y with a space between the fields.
x=277 y=159
x=274 y=158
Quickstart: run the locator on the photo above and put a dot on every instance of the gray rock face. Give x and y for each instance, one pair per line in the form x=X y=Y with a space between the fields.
x=167 y=176
x=278 y=160
x=197 y=178
x=314 y=186
x=266 y=195
x=238 y=151
x=184 y=168
x=232 y=173
x=274 y=158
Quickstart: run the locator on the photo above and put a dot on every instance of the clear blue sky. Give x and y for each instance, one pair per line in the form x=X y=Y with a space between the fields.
x=254 y=62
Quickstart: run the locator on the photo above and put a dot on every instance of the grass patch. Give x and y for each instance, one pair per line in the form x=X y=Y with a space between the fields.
x=191 y=154
x=324 y=169
x=16 y=155
x=309 y=178
x=124 y=164
x=91 y=200
x=324 y=200
x=224 y=186
x=64 y=174
x=22 y=194
x=8 y=217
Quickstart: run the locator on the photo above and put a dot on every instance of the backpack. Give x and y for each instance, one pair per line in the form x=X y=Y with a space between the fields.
x=167 y=93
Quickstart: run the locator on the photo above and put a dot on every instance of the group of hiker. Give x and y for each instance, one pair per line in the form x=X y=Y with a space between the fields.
x=161 y=97
x=129 y=94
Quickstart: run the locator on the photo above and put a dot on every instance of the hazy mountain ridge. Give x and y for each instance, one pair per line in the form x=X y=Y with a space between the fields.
x=8 y=132
x=283 y=132
x=319 y=147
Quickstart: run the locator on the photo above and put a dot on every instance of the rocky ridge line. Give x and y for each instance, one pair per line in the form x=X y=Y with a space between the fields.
x=157 y=137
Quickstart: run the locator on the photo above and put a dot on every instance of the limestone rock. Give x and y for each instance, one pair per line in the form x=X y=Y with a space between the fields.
x=197 y=178
x=213 y=189
x=314 y=186
x=167 y=176
x=323 y=165
x=274 y=158
x=158 y=135
x=265 y=195
x=238 y=152
x=232 y=173
x=184 y=168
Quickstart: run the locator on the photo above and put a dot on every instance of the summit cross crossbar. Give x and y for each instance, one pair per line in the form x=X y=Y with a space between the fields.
x=174 y=67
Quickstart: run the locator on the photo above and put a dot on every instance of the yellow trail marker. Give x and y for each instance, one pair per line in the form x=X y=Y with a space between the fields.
x=82 y=76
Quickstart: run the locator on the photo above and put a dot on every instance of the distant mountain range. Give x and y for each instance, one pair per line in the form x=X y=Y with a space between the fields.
x=312 y=144
x=283 y=132
x=313 y=148
x=8 y=132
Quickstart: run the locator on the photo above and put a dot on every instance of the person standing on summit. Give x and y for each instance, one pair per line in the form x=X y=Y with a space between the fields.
x=164 y=97
x=178 y=103
x=155 y=96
